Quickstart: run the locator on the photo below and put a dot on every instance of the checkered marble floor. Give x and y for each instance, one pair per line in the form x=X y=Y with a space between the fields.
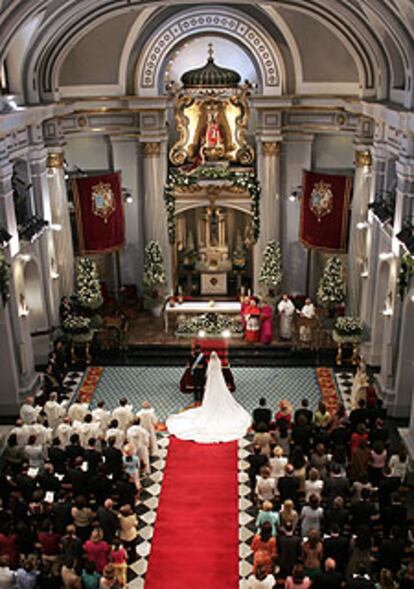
x=72 y=382
x=344 y=380
x=161 y=386
x=247 y=513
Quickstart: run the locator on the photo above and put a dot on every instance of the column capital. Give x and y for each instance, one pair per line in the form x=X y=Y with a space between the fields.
x=152 y=148
x=270 y=148
x=363 y=158
x=55 y=160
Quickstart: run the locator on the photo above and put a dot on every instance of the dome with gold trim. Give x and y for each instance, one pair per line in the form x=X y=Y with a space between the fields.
x=210 y=75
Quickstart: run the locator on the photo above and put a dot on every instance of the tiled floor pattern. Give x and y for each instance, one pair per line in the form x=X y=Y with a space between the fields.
x=344 y=380
x=161 y=386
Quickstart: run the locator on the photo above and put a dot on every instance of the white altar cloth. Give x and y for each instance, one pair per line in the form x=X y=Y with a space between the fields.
x=200 y=307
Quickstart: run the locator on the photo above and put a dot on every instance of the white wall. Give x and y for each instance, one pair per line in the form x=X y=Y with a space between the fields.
x=88 y=152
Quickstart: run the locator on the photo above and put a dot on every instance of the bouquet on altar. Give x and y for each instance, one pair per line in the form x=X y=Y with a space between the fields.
x=76 y=324
x=349 y=326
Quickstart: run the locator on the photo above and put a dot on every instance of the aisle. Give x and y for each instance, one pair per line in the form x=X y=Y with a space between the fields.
x=195 y=541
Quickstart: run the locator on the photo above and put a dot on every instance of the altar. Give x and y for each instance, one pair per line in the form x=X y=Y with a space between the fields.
x=198 y=308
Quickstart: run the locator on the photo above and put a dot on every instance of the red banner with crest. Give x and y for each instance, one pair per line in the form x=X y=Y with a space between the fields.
x=99 y=213
x=325 y=211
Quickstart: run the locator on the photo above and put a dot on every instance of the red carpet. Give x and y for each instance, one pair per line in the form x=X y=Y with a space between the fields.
x=195 y=543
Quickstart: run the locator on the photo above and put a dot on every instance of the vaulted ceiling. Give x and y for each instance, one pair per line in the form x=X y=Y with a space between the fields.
x=36 y=36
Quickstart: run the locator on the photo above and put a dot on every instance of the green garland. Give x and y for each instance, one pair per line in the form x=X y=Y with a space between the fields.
x=242 y=180
x=405 y=274
x=4 y=279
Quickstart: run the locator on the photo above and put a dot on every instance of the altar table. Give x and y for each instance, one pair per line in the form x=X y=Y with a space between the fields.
x=199 y=308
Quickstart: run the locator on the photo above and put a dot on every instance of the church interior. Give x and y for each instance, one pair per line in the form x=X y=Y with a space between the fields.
x=181 y=178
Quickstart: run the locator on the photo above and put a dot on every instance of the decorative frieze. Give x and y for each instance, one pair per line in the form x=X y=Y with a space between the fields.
x=270 y=148
x=152 y=148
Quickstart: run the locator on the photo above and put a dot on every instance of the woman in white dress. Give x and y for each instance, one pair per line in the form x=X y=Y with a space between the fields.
x=219 y=419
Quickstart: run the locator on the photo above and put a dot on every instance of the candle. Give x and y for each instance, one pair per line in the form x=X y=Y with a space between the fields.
x=242 y=291
x=249 y=292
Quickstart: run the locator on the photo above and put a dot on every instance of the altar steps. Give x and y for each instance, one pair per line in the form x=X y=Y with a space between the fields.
x=170 y=355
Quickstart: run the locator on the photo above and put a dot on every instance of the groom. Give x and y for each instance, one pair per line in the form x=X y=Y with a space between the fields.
x=198 y=368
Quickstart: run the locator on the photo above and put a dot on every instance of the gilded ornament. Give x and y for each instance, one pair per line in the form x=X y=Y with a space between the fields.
x=55 y=160
x=270 y=148
x=152 y=149
x=363 y=158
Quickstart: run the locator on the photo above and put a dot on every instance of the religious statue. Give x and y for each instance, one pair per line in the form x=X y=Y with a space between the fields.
x=307 y=313
x=286 y=311
x=212 y=145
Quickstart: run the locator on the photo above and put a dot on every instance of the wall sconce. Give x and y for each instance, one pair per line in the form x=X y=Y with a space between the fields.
x=387 y=312
x=295 y=193
x=23 y=306
x=25 y=257
x=54 y=275
x=362 y=225
x=364 y=274
x=55 y=227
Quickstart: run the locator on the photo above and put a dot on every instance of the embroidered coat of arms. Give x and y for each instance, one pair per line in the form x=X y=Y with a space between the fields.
x=103 y=200
x=321 y=199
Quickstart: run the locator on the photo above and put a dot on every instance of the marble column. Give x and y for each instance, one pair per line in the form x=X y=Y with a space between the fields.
x=397 y=362
x=268 y=168
x=124 y=157
x=154 y=213
x=357 y=257
x=60 y=218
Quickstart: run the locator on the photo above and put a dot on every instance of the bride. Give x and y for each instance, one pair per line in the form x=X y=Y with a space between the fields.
x=219 y=419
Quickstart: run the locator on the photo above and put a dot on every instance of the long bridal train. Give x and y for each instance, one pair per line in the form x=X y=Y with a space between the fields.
x=219 y=418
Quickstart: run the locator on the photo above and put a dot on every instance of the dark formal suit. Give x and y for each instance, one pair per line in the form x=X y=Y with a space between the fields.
x=337 y=547
x=261 y=415
x=198 y=372
x=288 y=488
x=329 y=580
x=289 y=551
x=307 y=414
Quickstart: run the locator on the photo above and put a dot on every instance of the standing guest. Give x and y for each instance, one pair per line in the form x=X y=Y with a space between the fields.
x=336 y=485
x=314 y=485
x=264 y=549
x=119 y=559
x=359 y=415
x=108 y=520
x=299 y=462
x=7 y=576
x=263 y=439
x=113 y=459
x=128 y=530
x=139 y=438
x=289 y=549
x=266 y=328
x=377 y=463
x=360 y=458
x=49 y=541
x=35 y=453
x=148 y=421
x=337 y=514
x=108 y=579
x=286 y=311
x=305 y=411
x=277 y=464
x=288 y=485
x=61 y=512
x=298 y=579
x=320 y=460
x=97 y=550
x=311 y=516
x=123 y=414
x=336 y=546
x=284 y=413
x=90 y=577
x=70 y=578
x=102 y=416
x=288 y=516
x=27 y=575
x=82 y=517
x=252 y=315
x=256 y=461
x=302 y=433
x=360 y=552
x=74 y=450
x=72 y=547
x=265 y=486
x=261 y=580
x=312 y=552
x=322 y=419
x=57 y=456
x=92 y=456
x=361 y=578
x=266 y=514
x=330 y=578
x=261 y=414
x=131 y=465
x=358 y=436
x=307 y=313
x=13 y=455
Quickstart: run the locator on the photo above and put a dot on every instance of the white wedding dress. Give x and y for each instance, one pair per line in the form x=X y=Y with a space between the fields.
x=219 y=418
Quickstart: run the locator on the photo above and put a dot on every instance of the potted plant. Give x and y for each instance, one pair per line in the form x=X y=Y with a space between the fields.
x=155 y=278
x=331 y=290
x=271 y=275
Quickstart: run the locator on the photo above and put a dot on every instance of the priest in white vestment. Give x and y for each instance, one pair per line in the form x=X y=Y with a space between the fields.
x=149 y=421
x=286 y=311
x=307 y=312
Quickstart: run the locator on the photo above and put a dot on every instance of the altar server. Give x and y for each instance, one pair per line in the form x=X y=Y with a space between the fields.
x=286 y=311
x=28 y=412
x=266 y=331
x=140 y=438
x=123 y=414
x=148 y=421
x=54 y=410
x=307 y=312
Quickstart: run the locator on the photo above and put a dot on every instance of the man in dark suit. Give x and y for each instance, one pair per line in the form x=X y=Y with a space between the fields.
x=289 y=549
x=305 y=411
x=113 y=459
x=361 y=579
x=289 y=485
x=336 y=485
x=330 y=578
x=108 y=520
x=336 y=546
x=261 y=414
x=256 y=460
x=198 y=368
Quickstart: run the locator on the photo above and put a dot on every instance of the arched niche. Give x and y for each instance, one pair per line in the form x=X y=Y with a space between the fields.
x=380 y=305
x=34 y=297
x=404 y=381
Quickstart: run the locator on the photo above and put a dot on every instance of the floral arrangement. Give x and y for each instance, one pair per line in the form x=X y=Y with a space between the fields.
x=4 y=279
x=89 y=292
x=213 y=324
x=405 y=274
x=349 y=326
x=271 y=270
x=243 y=180
x=155 y=277
x=76 y=324
x=331 y=290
